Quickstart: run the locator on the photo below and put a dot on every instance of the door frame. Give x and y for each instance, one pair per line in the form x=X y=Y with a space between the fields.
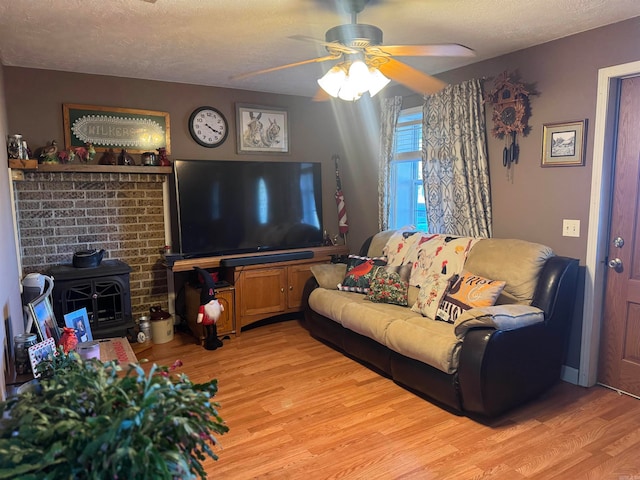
x=604 y=143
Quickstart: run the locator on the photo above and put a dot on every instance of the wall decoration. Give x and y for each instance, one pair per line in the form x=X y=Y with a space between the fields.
x=511 y=111
x=563 y=144
x=111 y=127
x=262 y=129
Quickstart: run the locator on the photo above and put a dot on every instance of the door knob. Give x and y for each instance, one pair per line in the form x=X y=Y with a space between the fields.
x=615 y=263
x=618 y=242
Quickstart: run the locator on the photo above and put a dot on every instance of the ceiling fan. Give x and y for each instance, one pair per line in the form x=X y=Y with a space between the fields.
x=365 y=62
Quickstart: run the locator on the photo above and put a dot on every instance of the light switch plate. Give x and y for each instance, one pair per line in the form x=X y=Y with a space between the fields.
x=570 y=228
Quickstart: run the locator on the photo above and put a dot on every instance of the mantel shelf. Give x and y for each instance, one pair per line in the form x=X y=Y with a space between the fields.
x=99 y=168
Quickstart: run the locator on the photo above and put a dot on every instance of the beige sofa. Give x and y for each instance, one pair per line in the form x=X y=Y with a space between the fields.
x=490 y=359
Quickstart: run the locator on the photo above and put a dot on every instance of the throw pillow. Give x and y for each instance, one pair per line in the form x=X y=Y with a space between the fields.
x=431 y=292
x=468 y=291
x=359 y=273
x=441 y=254
x=329 y=275
x=390 y=285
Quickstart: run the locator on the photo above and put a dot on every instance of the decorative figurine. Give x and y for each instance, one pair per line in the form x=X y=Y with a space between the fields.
x=125 y=159
x=108 y=158
x=81 y=153
x=164 y=159
x=68 y=340
x=91 y=152
x=50 y=153
x=209 y=311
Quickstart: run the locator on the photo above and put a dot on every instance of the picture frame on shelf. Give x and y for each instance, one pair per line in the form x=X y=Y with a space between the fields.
x=44 y=319
x=41 y=351
x=563 y=144
x=79 y=321
x=135 y=130
x=262 y=129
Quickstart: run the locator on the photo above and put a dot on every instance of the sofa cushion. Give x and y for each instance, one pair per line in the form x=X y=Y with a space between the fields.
x=378 y=242
x=329 y=275
x=359 y=273
x=467 y=291
x=517 y=262
x=501 y=317
x=427 y=341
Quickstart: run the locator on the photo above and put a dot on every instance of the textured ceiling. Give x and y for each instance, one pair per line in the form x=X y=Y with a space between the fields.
x=205 y=42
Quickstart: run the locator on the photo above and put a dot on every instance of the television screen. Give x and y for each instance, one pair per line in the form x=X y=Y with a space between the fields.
x=227 y=207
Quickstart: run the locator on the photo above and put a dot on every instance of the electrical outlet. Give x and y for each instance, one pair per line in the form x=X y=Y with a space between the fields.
x=570 y=228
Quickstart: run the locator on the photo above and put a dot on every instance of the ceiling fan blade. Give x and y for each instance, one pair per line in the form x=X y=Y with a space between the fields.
x=442 y=50
x=411 y=78
x=334 y=46
x=321 y=96
x=282 y=67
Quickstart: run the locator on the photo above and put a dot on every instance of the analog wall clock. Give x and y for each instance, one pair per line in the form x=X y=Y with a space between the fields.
x=208 y=127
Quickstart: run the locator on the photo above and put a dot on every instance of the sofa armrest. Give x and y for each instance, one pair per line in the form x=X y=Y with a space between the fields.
x=500 y=369
x=499 y=317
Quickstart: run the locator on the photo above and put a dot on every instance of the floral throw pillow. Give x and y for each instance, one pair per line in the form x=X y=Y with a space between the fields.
x=468 y=291
x=430 y=295
x=359 y=273
x=390 y=285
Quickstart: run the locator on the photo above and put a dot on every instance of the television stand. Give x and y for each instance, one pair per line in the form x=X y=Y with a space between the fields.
x=269 y=284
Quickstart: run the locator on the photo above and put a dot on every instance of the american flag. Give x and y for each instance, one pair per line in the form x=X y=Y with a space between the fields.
x=343 y=224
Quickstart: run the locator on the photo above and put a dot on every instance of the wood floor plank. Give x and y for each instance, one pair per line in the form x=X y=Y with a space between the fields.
x=297 y=409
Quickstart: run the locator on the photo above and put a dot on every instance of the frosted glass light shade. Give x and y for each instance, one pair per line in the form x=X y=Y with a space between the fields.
x=333 y=80
x=377 y=81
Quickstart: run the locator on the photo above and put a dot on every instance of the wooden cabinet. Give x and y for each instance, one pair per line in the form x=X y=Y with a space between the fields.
x=266 y=290
x=226 y=322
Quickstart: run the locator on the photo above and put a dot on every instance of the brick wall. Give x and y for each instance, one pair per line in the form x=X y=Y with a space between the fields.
x=60 y=213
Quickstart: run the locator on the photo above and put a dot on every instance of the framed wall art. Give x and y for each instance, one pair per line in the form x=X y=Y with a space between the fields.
x=137 y=131
x=262 y=129
x=563 y=144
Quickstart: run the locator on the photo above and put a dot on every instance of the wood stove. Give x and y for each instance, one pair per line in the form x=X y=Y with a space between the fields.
x=103 y=290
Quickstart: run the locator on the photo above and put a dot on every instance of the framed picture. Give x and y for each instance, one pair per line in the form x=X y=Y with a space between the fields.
x=79 y=321
x=262 y=129
x=563 y=144
x=44 y=319
x=138 y=131
x=41 y=351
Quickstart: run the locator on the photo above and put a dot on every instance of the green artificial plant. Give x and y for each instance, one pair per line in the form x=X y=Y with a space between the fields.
x=85 y=421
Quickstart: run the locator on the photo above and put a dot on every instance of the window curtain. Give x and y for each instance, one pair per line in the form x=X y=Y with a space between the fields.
x=389 y=113
x=455 y=167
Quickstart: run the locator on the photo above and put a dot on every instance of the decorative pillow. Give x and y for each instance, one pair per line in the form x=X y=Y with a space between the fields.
x=359 y=273
x=388 y=286
x=430 y=295
x=468 y=291
x=329 y=275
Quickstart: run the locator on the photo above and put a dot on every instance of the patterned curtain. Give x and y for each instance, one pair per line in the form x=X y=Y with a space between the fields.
x=390 y=111
x=455 y=167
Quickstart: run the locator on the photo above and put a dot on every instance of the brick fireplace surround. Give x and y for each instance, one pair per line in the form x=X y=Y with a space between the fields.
x=59 y=213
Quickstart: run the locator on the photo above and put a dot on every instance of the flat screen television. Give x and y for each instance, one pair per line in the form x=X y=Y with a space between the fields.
x=229 y=207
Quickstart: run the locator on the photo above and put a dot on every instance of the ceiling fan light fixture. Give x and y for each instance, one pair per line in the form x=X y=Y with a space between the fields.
x=377 y=81
x=333 y=80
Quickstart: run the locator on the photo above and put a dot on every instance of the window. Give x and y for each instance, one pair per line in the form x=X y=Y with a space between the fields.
x=406 y=190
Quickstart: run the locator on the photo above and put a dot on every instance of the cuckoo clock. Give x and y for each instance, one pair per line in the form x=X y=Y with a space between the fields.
x=510 y=101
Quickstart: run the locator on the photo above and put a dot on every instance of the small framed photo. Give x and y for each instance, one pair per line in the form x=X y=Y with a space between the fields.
x=44 y=319
x=261 y=129
x=563 y=144
x=79 y=321
x=41 y=351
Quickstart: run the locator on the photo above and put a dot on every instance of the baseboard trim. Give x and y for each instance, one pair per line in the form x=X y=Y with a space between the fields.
x=569 y=374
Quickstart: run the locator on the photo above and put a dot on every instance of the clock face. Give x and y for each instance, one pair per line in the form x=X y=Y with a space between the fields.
x=508 y=115
x=208 y=127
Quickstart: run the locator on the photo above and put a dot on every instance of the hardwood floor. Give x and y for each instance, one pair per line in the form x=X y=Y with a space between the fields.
x=297 y=409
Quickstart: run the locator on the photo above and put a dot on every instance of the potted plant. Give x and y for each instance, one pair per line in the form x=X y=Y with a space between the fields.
x=84 y=420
